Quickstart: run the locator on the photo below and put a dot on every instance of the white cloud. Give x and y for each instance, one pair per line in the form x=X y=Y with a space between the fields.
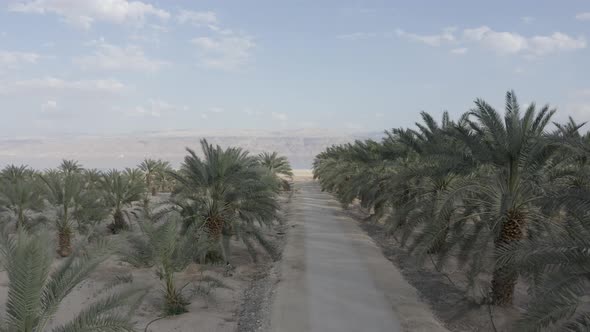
x=583 y=16
x=447 y=36
x=500 y=42
x=57 y=85
x=204 y=116
x=205 y=18
x=513 y=43
x=379 y=115
x=216 y=110
x=154 y=108
x=459 y=51
x=541 y=45
x=49 y=106
x=224 y=52
x=279 y=116
x=112 y=57
x=356 y=35
x=251 y=112
x=87 y=12
x=527 y=19
x=15 y=59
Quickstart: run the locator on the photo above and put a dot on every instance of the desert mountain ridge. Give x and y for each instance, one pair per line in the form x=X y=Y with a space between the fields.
x=127 y=150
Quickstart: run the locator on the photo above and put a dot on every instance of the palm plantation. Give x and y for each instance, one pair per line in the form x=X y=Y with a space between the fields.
x=502 y=194
x=226 y=194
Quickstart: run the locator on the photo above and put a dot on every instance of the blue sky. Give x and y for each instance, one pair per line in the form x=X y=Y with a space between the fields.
x=118 y=66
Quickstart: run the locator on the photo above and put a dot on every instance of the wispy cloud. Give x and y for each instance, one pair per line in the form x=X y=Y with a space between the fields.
x=357 y=35
x=505 y=43
x=251 y=112
x=279 y=116
x=459 y=51
x=216 y=109
x=583 y=16
x=58 y=85
x=85 y=13
x=10 y=59
x=224 y=52
x=527 y=19
x=446 y=36
x=201 y=18
x=153 y=108
x=112 y=57
x=500 y=42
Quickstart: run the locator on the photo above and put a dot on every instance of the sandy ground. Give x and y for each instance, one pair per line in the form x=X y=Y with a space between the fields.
x=334 y=278
x=446 y=290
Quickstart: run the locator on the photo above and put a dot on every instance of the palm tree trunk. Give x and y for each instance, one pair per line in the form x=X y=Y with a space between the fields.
x=21 y=219
x=214 y=227
x=119 y=222
x=64 y=236
x=154 y=191
x=504 y=278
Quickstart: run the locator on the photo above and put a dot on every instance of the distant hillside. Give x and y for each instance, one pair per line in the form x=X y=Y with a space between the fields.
x=300 y=146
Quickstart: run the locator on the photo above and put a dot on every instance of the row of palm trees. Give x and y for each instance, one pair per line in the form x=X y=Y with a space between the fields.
x=508 y=196
x=223 y=194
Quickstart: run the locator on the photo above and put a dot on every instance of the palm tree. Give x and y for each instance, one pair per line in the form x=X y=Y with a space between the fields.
x=92 y=178
x=161 y=246
x=229 y=193
x=556 y=262
x=437 y=163
x=63 y=190
x=35 y=289
x=151 y=168
x=134 y=174
x=278 y=167
x=13 y=172
x=70 y=166
x=19 y=195
x=164 y=179
x=119 y=193
x=514 y=151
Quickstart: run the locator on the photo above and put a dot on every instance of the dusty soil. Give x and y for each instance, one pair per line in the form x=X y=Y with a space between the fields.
x=445 y=290
x=255 y=309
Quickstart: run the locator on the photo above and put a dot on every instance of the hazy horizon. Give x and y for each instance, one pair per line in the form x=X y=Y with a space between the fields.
x=127 y=150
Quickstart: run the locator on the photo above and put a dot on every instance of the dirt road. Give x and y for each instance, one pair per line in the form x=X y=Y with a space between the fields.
x=334 y=278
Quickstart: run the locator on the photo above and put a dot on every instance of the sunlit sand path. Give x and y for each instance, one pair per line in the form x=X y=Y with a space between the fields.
x=334 y=278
